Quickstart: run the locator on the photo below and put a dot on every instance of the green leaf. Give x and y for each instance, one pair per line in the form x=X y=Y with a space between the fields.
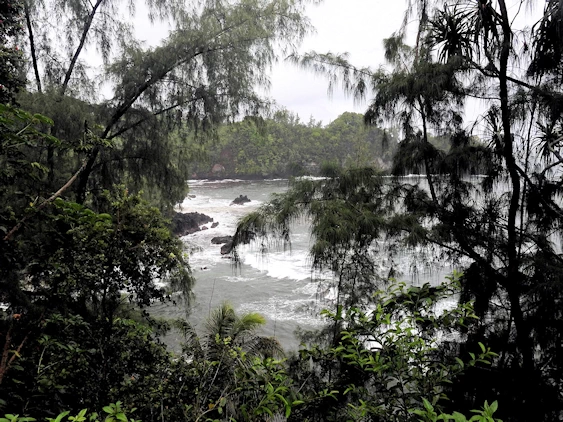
x=43 y=119
x=287 y=411
x=427 y=405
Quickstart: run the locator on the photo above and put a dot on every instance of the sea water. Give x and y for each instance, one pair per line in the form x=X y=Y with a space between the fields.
x=276 y=282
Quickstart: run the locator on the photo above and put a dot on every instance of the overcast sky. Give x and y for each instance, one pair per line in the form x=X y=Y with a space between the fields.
x=357 y=27
x=354 y=26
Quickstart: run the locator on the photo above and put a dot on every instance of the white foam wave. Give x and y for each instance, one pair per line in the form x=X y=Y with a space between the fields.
x=202 y=182
x=300 y=311
x=239 y=279
x=313 y=178
x=293 y=265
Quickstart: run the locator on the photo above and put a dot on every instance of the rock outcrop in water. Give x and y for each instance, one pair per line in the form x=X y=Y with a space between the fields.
x=241 y=200
x=219 y=240
x=226 y=241
x=227 y=248
x=188 y=223
x=244 y=238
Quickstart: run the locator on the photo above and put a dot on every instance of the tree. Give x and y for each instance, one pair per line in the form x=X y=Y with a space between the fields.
x=235 y=368
x=283 y=146
x=503 y=227
x=11 y=60
x=66 y=275
x=204 y=72
x=385 y=364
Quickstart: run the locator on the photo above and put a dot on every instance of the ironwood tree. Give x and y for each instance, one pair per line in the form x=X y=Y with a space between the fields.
x=207 y=70
x=489 y=204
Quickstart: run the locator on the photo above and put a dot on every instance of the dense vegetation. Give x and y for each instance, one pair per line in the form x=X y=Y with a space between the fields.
x=83 y=253
x=503 y=228
x=283 y=146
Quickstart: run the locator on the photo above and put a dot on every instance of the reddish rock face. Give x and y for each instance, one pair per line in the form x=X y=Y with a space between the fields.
x=217 y=168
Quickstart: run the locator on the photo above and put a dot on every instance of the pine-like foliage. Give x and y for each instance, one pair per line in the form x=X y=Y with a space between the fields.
x=492 y=204
x=11 y=58
x=205 y=71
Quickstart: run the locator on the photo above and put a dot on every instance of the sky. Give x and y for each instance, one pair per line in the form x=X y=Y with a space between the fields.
x=357 y=27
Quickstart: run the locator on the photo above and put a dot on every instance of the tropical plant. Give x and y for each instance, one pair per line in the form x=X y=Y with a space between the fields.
x=66 y=273
x=502 y=227
x=205 y=71
x=238 y=372
x=114 y=413
x=385 y=364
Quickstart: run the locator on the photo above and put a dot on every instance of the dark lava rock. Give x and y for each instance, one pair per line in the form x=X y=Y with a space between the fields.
x=242 y=199
x=227 y=248
x=188 y=223
x=214 y=224
x=221 y=239
x=244 y=238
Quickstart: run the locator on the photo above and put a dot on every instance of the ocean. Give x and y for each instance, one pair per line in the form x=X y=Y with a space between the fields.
x=277 y=282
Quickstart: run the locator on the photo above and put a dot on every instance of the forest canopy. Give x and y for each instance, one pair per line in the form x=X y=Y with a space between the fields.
x=85 y=249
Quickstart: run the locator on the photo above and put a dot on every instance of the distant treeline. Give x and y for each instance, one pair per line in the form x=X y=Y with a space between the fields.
x=285 y=146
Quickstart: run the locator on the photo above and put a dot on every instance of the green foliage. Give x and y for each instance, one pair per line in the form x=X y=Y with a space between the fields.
x=205 y=72
x=283 y=146
x=345 y=221
x=385 y=364
x=237 y=373
x=114 y=414
x=483 y=415
x=503 y=226
x=79 y=254
x=68 y=275
x=11 y=56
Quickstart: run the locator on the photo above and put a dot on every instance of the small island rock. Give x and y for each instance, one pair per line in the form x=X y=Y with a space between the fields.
x=242 y=199
x=227 y=248
x=219 y=240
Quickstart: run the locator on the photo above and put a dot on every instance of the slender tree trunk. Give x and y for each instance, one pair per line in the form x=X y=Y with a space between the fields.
x=427 y=166
x=32 y=46
x=514 y=278
x=118 y=114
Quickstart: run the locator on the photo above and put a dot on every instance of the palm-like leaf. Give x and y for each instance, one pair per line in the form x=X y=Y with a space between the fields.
x=450 y=31
x=225 y=329
x=548 y=42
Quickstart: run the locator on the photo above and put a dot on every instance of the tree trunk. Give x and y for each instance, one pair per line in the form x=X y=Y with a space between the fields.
x=514 y=278
x=32 y=46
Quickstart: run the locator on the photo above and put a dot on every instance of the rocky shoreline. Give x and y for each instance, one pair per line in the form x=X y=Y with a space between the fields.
x=186 y=223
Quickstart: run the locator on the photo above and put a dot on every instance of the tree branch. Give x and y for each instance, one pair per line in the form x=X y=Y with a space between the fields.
x=32 y=46
x=85 y=31
x=46 y=202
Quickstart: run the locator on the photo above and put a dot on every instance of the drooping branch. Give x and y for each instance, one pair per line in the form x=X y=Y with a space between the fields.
x=58 y=193
x=5 y=363
x=336 y=67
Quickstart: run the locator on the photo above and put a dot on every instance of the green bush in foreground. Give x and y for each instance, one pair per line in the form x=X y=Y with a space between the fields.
x=114 y=414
